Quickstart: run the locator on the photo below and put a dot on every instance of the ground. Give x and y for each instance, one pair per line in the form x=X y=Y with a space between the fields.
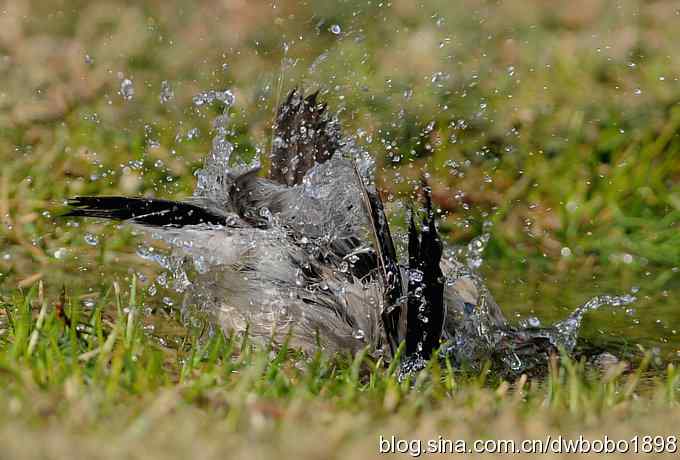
x=554 y=128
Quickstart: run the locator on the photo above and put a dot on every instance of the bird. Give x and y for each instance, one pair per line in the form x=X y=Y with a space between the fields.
x=304 y=255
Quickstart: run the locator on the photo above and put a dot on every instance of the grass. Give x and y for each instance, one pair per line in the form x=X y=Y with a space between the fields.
x=554 y=128
x=103 y=387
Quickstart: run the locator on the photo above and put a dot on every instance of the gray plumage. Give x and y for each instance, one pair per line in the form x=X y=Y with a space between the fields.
x=306 y=254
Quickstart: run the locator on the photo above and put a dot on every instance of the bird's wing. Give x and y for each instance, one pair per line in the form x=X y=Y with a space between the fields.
x=387 y=261
x=305 y=134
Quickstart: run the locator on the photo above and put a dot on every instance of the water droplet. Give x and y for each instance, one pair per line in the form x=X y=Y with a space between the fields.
x=514 y=362
x=415 y=276
x=532 y=321
x=193 y=133
x=89 y=303
x=335 y=29
x=475 y=251
x=565 y=252
x=167 y=94
x=91 y=239
x=210 y=96
x=226 y=96
x=60 y=253
x=637 y=91
x=127 y=90
x=162 y=279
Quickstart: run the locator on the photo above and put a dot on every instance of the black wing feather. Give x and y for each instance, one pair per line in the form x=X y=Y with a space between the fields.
x=426 y=309
x=146 y=211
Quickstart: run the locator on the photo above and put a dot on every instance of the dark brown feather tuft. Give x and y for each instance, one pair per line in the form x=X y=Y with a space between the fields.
x=304 y=135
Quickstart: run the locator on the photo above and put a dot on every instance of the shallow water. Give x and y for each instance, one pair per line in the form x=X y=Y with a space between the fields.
x=651 y=323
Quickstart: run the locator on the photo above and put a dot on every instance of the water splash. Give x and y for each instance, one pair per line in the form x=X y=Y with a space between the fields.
x=568 y=329
x=173 y=263
x=484 y=334
x=476 y=330
x=213 y=179
x=208 y=97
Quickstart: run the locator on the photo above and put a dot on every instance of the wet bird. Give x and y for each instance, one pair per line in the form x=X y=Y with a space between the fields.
x=306 y=255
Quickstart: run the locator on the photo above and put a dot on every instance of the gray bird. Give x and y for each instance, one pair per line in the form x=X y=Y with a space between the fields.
x=306 y=255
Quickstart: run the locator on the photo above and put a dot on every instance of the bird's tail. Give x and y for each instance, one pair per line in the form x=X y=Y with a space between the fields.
x=305 y=134
x=145 y=211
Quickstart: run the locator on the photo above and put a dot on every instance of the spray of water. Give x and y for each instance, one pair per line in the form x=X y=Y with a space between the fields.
x=476 y=329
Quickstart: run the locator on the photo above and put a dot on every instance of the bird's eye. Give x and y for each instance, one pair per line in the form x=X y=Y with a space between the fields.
x=469 y=308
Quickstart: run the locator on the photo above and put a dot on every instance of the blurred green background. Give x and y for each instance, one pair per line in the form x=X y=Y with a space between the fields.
x=553 y=126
